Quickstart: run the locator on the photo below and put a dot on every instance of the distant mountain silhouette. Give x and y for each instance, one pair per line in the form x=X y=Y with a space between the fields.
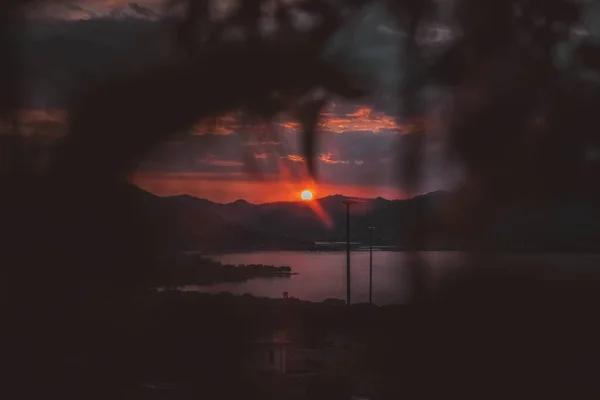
x=188 y=223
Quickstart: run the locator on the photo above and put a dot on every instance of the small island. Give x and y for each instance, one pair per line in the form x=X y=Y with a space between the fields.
x=199 y=270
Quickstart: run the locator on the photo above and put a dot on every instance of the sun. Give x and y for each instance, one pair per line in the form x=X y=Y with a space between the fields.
x=306 y=195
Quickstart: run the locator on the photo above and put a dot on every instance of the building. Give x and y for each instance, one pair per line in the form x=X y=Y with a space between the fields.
x=266 y=366
x=269 y=353
x=334 y=246
x=279 y=369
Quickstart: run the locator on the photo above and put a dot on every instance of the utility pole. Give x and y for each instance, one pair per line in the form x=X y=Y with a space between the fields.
x=348 y=202
x=371 y=264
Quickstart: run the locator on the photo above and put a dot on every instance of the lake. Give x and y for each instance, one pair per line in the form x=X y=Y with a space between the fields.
x=322 y=275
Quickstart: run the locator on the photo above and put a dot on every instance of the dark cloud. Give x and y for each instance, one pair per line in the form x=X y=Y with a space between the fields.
x=357 y=143
x=78 y=8
x=142 y=11
x=60 y=57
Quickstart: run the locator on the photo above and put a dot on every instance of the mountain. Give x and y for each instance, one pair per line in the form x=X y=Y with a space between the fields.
x=189 y=223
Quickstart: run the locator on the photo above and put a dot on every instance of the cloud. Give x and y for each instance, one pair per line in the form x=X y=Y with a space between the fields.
x=363 y=118
x=352 y=158
x=142 y=11
x=362 y=50
x=296 y=158
x=214 y=161
x=49 y=123
x=340 y=117
x=61 y=57
x=358 y=142
x=328 y=159
x=221 y=125
x=87 y=9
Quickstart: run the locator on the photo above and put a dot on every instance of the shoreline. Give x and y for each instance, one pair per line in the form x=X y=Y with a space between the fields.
x=362 y=250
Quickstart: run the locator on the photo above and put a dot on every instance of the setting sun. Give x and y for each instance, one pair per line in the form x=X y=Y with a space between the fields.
x=306 y=195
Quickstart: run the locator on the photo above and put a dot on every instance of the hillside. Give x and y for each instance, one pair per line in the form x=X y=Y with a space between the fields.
x=190 y=223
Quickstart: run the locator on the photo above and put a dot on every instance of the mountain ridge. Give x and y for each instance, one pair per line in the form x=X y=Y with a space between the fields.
x=198 y=222
x=244 y=201
x=191 y=223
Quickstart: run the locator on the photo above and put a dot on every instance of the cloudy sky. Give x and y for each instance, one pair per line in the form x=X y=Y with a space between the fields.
x=68 y=43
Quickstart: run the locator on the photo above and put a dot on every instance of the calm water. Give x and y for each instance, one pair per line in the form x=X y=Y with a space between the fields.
x=323 y=275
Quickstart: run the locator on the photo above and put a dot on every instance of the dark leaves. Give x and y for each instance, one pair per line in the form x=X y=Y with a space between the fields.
x=308 y=114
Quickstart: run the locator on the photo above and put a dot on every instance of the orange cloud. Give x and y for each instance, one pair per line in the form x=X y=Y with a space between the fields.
x=221 y=163
x=326 y=158
x=221 y=125
x=361 y=112
x=362 y=119
x=296 y=158
x=290 y=125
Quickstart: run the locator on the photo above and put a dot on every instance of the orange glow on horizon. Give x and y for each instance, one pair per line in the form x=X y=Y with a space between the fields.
x=228 y=187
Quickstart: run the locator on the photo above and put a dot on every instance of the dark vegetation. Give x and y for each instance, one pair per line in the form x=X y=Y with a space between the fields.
x=75 y=256
x=185 y=269
x=382 y=352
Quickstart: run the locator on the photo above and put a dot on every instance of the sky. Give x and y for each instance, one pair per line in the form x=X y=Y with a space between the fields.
x=69 y=42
